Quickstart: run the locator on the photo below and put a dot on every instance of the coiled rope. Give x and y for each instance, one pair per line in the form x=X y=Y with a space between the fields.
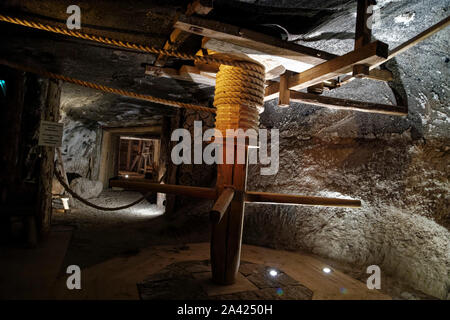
x=238 y=98
x=90 y=204
x=118 y=43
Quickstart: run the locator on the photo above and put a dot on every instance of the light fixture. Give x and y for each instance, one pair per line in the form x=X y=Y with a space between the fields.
x=273 y=273
x=65 y=202
x=126 y=176
x=326 y=270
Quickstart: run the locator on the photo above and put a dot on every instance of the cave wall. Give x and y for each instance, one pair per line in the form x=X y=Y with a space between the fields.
x=398 y=167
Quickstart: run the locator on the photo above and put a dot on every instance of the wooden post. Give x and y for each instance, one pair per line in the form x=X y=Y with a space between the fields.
x=221 y=205
x=50 y=112
x=226 y=236
x=284 y=98
x=363 y=32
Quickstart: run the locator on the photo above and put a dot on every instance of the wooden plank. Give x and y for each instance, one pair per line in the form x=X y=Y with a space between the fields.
x=185 y=73
x=253 y=40
x=269 y=61
x=417 y=39
x=156 y=130
x=363 y=33
x=371 y=54
x=143 y=186
x=176 y=39
x=344 y=104
x=226 y=236
x=284 y=94
x=221 y=205
x=276 y=198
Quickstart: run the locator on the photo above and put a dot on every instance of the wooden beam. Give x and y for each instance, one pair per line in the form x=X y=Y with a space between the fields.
x=226 y=236
x=371 y=54
x=417 y=39
x=344 y=104
x=156 y=130
x=363 y=33
x=253 y=40
x=284 y=94
x=276 y=198
x=185 y=73
x=176 y=38
x=143 y=186
x=221 y=205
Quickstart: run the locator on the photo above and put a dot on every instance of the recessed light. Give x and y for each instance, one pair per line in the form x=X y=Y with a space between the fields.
x=326 y=270
x=273 y=273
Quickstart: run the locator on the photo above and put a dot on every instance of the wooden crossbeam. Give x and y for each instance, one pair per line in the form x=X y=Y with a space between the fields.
x=221 y=205
x=417 y=39
x=185 y=73
x=227 y=196
x=251 y=39
x=345 y=104
x=143 y=186
x=363 y=33
x=276 y=198
x=368 y=55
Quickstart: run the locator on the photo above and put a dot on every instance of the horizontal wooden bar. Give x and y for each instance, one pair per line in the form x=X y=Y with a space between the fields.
x=344 y=104
x=368 y=55
x=139 y=185
x=251 y=39
x=417 y=39
x=221 y=205
x=276 y=198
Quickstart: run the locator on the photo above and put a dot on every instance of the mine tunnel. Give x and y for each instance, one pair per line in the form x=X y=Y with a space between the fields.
x=217 y=150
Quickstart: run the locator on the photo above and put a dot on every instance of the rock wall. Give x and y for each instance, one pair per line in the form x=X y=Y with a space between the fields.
x=80 y=148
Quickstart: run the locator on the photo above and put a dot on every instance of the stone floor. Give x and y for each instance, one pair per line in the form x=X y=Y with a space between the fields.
x=192 y=280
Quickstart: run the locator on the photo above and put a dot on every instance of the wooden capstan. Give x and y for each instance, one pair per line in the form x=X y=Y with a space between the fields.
x=240 y=93
x=239 y=97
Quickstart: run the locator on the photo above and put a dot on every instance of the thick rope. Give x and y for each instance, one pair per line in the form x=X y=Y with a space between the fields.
x=90 y=204
x=109 y=89
x=118 y=43
x=238 y=98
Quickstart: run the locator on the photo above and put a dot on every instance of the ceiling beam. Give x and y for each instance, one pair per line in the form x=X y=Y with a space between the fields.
x=417 y=39
x=367 y=55
x=253 y=40
x=185 y=73
x=345 y=104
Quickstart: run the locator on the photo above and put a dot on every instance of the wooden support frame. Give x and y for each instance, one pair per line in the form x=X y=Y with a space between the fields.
x=363 y=32
x=368 y=55
x=251 y=39
x=276 y=198
x=284 y=94
x=143 y=186
x=221 y=205
x=417 y=39
x=344 y=104
x=185 y=73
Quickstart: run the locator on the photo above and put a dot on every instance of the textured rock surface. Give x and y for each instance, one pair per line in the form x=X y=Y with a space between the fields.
x=86 y=188
x=398 y=167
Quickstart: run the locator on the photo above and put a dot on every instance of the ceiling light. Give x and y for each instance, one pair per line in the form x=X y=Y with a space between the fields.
x=326 y=270
x=273 y=273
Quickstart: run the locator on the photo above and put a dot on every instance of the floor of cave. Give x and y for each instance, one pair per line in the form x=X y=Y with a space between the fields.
x=105 y=242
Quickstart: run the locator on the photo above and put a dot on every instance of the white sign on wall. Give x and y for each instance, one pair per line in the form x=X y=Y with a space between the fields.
x=50 y=134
